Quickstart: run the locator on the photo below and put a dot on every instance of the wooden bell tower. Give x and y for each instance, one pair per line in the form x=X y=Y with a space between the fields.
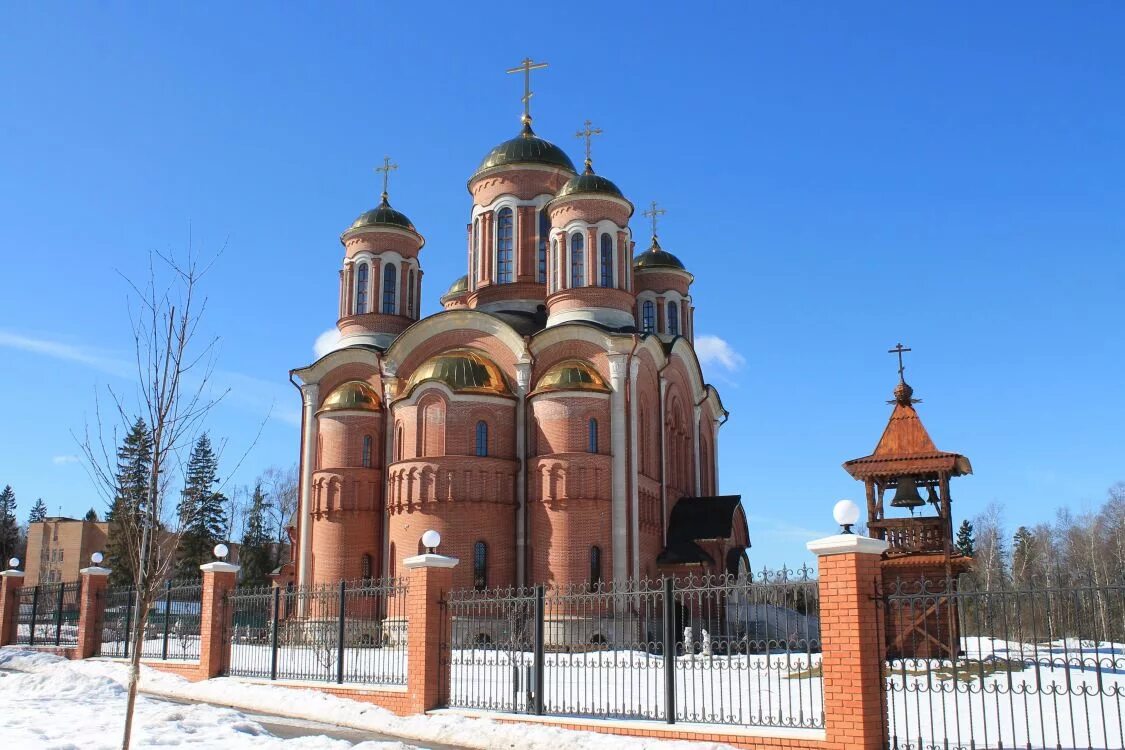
x=907 y=466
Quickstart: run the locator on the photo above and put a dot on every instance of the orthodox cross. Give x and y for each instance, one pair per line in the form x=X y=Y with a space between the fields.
x=588 y=133
x=526 y=67
x=899 y=349
x=386 y=169
x=653 y=212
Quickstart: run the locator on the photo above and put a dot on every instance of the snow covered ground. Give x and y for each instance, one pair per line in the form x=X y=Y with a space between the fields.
x=53 y=703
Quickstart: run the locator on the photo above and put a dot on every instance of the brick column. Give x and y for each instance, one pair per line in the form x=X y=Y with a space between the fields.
x=853 y=645
x=91 y=605
x=214 y=622
x=10 y=583
x=430 y=577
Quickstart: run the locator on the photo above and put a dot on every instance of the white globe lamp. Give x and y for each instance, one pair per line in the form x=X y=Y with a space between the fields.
x=430 y=540
x=97 y=558
x=221 y=550
x=14 y=563
x=846 y=514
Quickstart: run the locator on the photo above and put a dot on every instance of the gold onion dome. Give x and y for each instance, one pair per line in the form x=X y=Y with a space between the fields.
x=382 y=216
x=458 y=287
x=464 y=371
x=525 y=148
x=354 y=395
x=657 y=257
x=572 y=375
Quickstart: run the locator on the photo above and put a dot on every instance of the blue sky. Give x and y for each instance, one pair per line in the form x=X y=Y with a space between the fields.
x=837 y=178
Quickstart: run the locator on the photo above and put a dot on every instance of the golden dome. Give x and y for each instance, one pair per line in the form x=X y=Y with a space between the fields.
x=572 y=375
x=353 y=395
x=464 y=371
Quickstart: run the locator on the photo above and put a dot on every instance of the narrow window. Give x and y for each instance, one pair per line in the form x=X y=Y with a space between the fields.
x=367 y=451
x=390 y=276
x=544 y=231
x=577 y=264
x=504 y=246
x=674 y=318
x=607 y=260
x=482 y=438
x=592 y=436
x=393 y=562
x=480 y=566
x=398 y=442
x=555 y=265
x=410 y=296
x=595 y=566
x=648 y=317
x=361 y=289
x=474 y=273
x=367 y=566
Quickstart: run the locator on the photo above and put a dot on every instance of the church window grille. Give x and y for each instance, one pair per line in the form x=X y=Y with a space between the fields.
x=361 y=289
x=504 y=246
x=410 y=296
x=480 y=566
x=577 y=261
x=595 y=566
x=390 y=276
x=674 y=318
x=592 y=435
x=544 y=230
x=648 y=316
x=367 y=451
x=607 y=260
x=482 y=439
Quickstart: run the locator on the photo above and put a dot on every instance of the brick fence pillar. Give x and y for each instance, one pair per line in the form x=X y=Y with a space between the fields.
x=214 y=617
x=852 y=641
x=10 y=583
x=431 y=576
x=91 y=605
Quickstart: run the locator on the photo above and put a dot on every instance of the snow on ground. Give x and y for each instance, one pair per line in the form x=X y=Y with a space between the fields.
x=88 y=697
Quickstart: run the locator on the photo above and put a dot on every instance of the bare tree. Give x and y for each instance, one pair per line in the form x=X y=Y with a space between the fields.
x=281 y=489
x=174 y=394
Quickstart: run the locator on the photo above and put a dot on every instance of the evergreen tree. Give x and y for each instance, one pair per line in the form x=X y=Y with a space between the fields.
x=201 y=512
x=134 y=460
x=38 y=512
x=1024 y=555
x=9 y=529
x=91 y=515
x=965 y=543
x=254 y=555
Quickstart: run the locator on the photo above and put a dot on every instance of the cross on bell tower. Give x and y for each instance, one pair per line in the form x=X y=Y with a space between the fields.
x=526 y=67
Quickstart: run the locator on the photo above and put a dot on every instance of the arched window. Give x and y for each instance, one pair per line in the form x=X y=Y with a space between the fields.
x=361 y=289
x=480 y=566
x=577 y=262
x=482 y=438
x=607 y=260
x=390 y=276
x=474 y=272
x=674 y=318
x=555 y=265
x=592 y=435
x=410 y=296
x=393 y=561
x=544 y=231
x=398 y=441
x=595 y=566
x=648 y=317
x=367 y=451
x=504 y=246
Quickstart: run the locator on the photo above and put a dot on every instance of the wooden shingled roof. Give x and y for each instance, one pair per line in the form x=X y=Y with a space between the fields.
x=906 y=448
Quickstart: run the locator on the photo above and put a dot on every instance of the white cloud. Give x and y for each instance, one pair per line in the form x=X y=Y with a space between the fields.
x=713 y=350
x=68 y=352
x=326 y=342
x=61 y=460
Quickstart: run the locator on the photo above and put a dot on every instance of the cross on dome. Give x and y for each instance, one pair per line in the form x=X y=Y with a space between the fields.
x=526 y=67
x=588 y=133
x=386 y=169
x=654 y=213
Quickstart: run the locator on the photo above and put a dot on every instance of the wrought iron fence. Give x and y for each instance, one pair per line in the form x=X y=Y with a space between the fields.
x=48 y=615
x=351 y=632
x=720 y=650
x=171 y=630
x=998 y=666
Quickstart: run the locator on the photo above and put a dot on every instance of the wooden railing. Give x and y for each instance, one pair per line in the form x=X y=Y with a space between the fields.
x=906 y=535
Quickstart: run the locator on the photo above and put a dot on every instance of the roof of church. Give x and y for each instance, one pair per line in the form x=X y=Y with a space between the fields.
x=354 y=395
x=382 y=216
x=525 y=148
x=589 y=183
x=460 y=286
x=657 y=257
x=905 y=447
x=464 y=371
x=696 y=519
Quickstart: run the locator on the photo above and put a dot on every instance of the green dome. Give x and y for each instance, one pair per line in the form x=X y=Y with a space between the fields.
x=588 y=182
x=382 y=216
x=657 y=257
x=526 y=148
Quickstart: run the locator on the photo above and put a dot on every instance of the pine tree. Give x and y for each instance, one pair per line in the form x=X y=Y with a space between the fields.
x=201 y=512
x=38 y=512
x=9 y=529
x=91 y=515
x=965 y=543
x=254 y=555
x=134 y=459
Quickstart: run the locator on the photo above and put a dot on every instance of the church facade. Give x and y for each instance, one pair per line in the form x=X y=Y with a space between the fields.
x=551 y=422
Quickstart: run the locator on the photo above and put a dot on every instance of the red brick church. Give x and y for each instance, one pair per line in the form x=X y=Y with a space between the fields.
x=552 y=422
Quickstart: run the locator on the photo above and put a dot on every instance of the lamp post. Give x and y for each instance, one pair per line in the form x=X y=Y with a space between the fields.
x=846 y=514
x=430 y=540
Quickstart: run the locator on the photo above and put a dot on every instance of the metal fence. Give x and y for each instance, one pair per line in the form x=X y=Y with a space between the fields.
x=1039 y=666
x=351 y=632
x=719 y=650
x=48 y=615
x=171 y=630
